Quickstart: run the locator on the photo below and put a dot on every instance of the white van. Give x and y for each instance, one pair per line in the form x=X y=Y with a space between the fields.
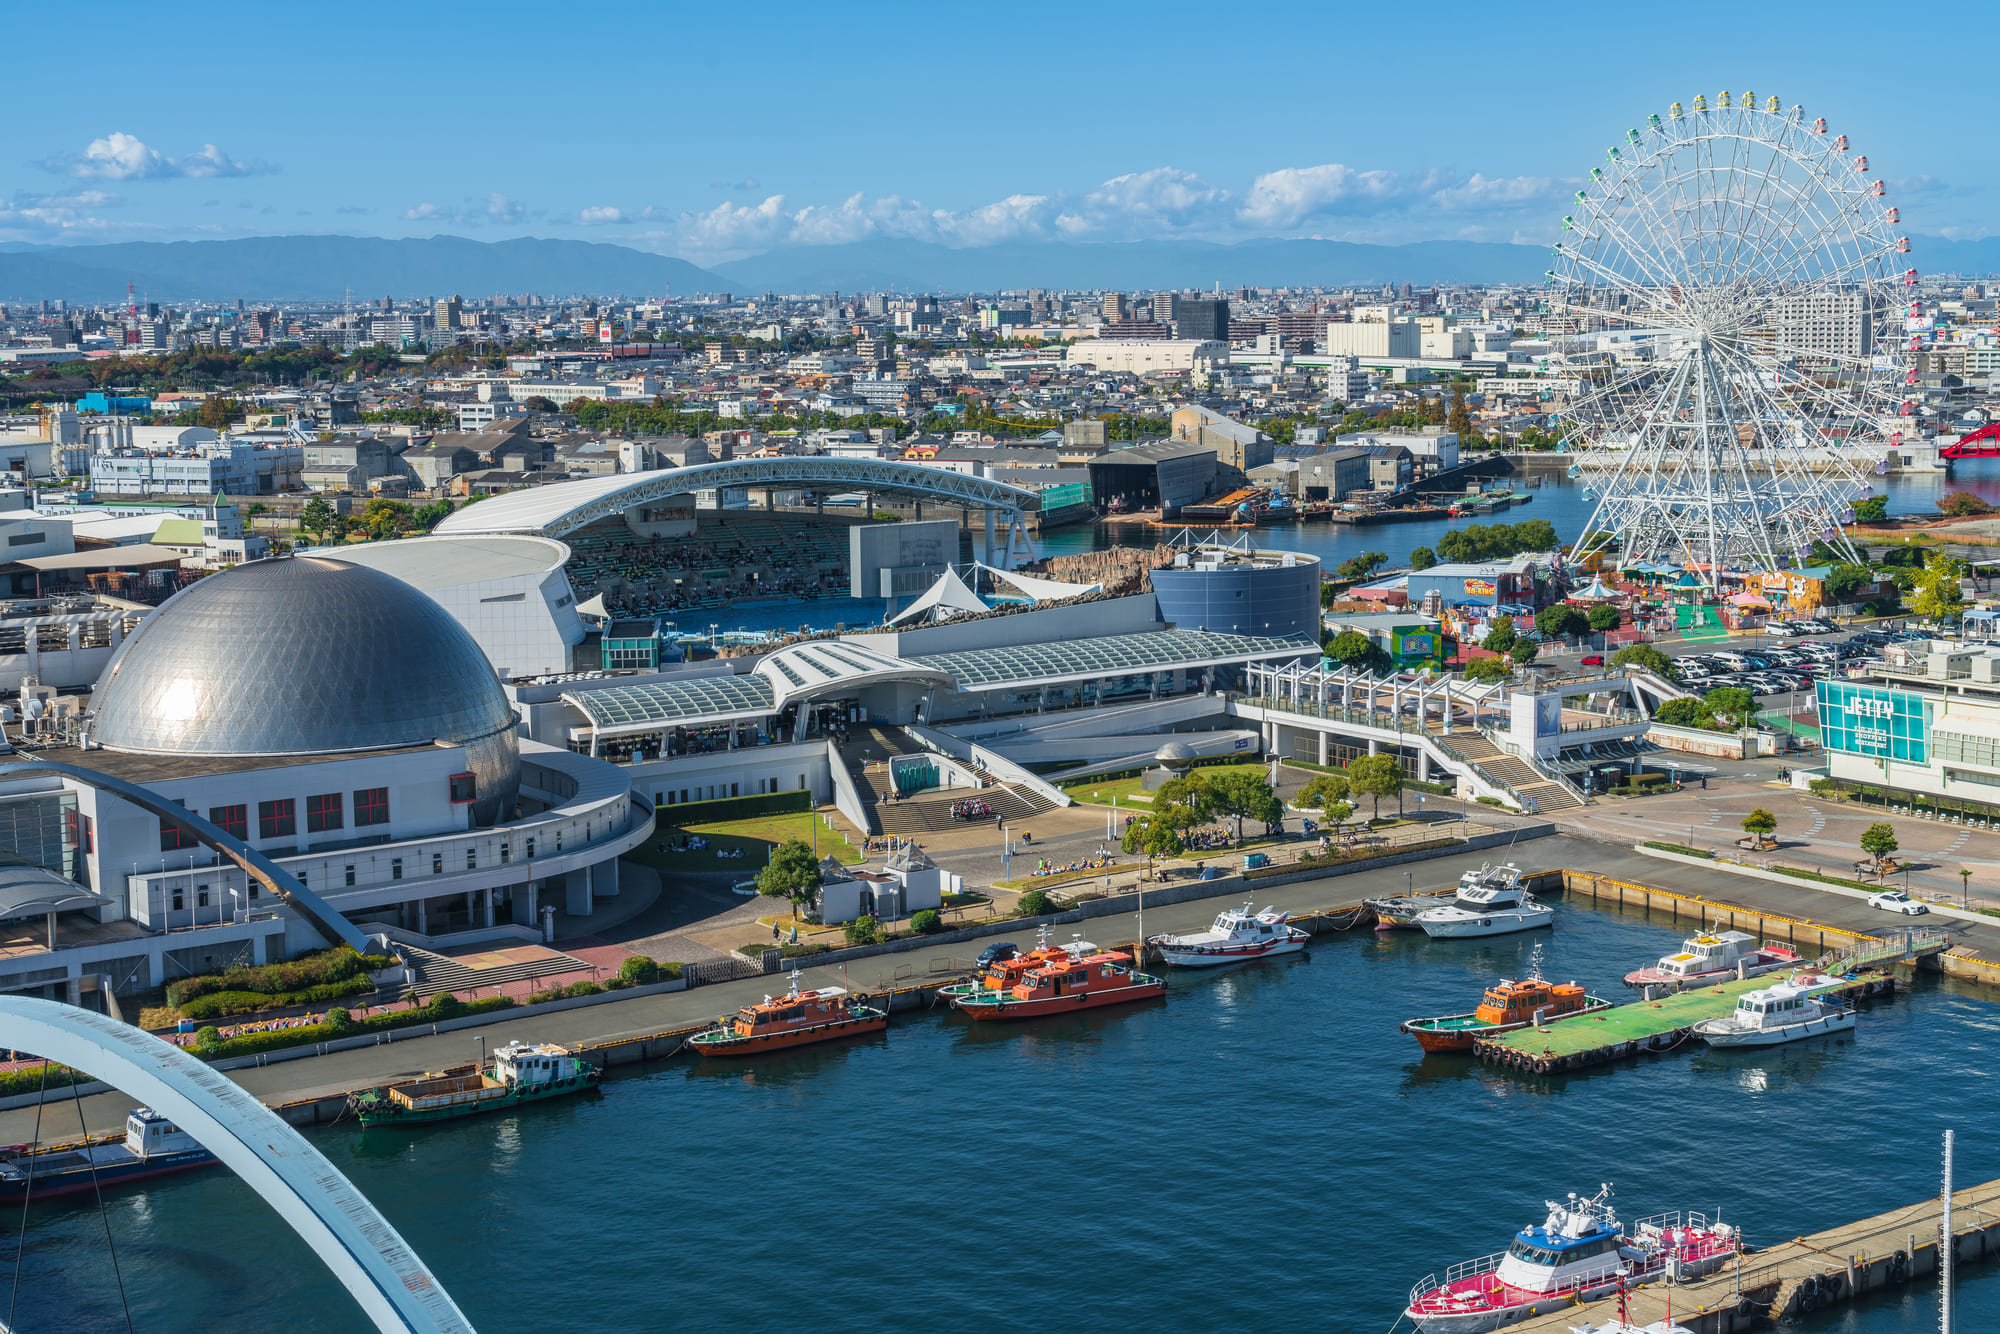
x=1735 y=662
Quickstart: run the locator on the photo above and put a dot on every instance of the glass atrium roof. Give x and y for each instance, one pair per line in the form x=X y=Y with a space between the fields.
x=1114 y=655
x=641 y=708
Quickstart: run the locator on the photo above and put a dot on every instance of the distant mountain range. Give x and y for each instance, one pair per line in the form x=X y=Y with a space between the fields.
x=322 y=268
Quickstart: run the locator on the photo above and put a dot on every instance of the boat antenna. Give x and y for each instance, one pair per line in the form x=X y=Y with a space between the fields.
x=1535 y=964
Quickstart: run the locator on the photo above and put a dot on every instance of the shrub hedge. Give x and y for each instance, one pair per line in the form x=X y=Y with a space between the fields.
x=442 y=1006
x=13 y=1082
x=218 y=1004
x=275 y=981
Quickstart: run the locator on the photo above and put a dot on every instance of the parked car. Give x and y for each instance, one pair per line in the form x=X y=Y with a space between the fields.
x=993 y=954
x=1895 y=900
x=1593 y=660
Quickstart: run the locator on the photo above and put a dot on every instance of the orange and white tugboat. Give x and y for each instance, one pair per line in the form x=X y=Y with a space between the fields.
x=1712 y=956
x=791 y=1020
x=1506 y=1006
x=1078 y=976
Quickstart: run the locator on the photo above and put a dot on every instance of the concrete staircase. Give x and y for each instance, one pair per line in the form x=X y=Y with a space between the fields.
x=1530 y=786
x=433 y=973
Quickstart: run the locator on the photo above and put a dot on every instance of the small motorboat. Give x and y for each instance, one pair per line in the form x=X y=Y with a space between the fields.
x=1791 y=1010
x=1495 y=905
x=1711 y=957
x=1399 y=911
x=1236 y=936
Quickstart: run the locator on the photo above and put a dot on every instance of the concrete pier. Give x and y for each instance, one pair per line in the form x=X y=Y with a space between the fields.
x=1887 y=1252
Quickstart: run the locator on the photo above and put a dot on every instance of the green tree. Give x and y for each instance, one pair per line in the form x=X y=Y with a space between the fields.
x=1561 y=621
x=1245 y=794
x=1360 y=567
x=1195 y=791
x=1760 y=822
x=1647 y=659
x=1422 y=558
x=860 y=930
x=926 y=921
x=1157 y=834
x=316 y=517
x=1351 y=648
x=1323 y=791
x=1459 y=420
x=1501 y=637
x=1604 y=617
x=1879 y=840
x=1872 y=510
x=1033 y=903
x=1524 y=651
x=1681 y=713
x=1844 y=582
x=1731 y=702
x=793 y=873
x=1376 y=776
x=1488 y=670
x=1938 y=596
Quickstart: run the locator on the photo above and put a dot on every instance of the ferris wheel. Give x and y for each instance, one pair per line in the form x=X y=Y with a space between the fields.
x=1728 y=299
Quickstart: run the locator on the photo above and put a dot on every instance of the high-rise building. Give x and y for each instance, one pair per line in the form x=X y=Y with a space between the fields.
x=1163 y=307
x=1114 y=305
x=1204 y=319
x=450 y=313
x=1838 y=324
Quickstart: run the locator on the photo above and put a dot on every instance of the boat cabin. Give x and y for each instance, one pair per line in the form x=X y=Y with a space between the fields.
x=1079 y=967
x=794 y=1010
x=1241 y=923
x=1580 y=1241
x=148 y=1133
x=543 y=1063
x=1776 y=1006
x=1525 y=1002
x=1708 y=954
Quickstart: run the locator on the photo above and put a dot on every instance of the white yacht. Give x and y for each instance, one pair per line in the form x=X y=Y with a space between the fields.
x=1786 y=1012
x=1238 y=934
x=1490 y=902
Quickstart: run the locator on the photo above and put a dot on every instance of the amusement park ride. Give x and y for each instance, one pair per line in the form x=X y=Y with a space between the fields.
x=1747 y=273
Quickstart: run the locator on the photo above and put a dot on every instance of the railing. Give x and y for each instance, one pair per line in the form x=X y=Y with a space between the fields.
x=1550 y=774
x=1909 y=943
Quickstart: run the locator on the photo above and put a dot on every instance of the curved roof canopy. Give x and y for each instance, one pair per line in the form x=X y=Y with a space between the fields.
x=564 y=507
x=29 y=890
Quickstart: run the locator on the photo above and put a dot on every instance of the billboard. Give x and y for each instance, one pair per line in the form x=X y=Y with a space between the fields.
x=1878 y=723
x=1417 y=646
x=1481 y=588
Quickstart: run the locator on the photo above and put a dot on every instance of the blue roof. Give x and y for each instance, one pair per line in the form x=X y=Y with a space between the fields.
x=1556 y=1241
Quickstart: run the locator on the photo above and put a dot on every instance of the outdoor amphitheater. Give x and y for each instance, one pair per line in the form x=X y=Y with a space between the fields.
x=731 y=558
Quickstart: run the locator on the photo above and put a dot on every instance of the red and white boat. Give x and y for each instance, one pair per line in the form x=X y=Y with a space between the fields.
x=1238 y=934
x=1076 y=976
x=1712 y=956
x=1580 y=1253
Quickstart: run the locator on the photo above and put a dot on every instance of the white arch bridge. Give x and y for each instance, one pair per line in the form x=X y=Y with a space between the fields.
x=564 y=507
x=371 y=1260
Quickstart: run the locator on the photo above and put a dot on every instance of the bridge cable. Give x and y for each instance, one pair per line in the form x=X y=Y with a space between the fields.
x=27 y=1195
x=103 y=1213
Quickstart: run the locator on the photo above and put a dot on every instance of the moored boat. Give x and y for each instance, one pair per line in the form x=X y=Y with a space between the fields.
x=1712 y=957
x=1506 y=1006
x=1399 y=911
x=152 y=1146
x=1489 y=902
x=1578 y=1254
x=1078 y=976
x=519 y=1072
x=1785 y=1012
x=795 y=1019
x=1237 y=935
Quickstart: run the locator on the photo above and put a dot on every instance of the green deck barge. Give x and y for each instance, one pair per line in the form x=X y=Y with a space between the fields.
x=1644 y=1025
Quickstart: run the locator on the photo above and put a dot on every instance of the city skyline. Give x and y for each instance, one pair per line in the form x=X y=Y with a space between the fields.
x=815 y=129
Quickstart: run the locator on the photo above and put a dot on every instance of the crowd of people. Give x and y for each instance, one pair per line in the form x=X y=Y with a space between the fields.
x=1095 y=862
x=1209 y=840
x=975 y=808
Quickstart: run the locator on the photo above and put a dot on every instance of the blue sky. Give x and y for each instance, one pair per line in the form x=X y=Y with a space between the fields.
x=713 y=131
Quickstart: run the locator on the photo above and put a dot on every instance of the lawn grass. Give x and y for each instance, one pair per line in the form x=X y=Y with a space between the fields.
x=1130 y=792
x=754 y=836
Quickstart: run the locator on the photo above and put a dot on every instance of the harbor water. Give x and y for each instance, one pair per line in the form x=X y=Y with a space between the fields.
x=1261 y=1147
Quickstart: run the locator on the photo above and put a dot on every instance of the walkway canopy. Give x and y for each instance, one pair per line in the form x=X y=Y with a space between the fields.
x=564 y=507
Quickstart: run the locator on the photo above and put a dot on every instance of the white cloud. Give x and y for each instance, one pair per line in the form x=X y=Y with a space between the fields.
x=499 y=208
x=65 y=217
x=599 y=216
x=427 y=212
x=1481 y=192
x=1165 y=198
x=1291 y=196
x=123 y=157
